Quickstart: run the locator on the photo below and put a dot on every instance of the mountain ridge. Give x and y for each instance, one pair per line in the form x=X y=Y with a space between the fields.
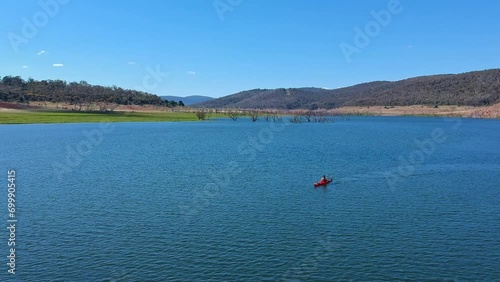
x=475 y=88
x=188 y=100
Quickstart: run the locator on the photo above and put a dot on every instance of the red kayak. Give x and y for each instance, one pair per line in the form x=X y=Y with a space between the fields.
x=323 y=183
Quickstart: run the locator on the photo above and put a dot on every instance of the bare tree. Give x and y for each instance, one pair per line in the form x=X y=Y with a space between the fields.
x=296 y=119
x=201 y=114
x=112 y=106
x=233 y=115
x=103 y=106
x=276 y=116
x=254 y=115
x=308 y=115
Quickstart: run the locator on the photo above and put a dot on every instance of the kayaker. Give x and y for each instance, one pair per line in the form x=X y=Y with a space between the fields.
x=323 y=179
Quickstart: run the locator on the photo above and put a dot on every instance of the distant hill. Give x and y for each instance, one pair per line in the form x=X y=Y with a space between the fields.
x=81 y=95
x=478 y=88
x=189 y=100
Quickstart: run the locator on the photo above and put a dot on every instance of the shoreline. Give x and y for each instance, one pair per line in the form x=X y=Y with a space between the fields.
x=490 y=112
x=13 y=113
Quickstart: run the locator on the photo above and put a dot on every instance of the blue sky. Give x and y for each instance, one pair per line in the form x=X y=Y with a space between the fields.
x=220 y=47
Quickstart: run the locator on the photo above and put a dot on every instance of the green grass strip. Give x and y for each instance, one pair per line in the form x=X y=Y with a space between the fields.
x=85 y=117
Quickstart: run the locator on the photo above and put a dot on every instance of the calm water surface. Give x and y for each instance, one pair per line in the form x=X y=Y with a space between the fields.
x=234 y=201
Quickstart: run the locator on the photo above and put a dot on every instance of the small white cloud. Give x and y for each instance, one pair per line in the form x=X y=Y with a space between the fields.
x=131 y=63
x=43 y=52
x=191 y=72
x=58 y=65
x=25 y=67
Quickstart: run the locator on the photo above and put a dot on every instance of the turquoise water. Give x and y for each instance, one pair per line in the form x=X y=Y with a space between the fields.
x=234 y=201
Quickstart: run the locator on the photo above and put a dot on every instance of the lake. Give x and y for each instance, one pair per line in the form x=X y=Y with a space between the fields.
x=411 y=199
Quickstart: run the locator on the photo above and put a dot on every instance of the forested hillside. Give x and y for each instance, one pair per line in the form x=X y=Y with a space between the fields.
x=81 y=94
x=479 y=88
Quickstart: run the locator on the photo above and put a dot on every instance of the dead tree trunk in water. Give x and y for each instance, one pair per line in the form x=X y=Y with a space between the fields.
x=254 y=116
x=233 y=115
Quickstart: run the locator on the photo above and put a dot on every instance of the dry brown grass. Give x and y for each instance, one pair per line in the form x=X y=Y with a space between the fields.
x=417 y=110
x=462 y=111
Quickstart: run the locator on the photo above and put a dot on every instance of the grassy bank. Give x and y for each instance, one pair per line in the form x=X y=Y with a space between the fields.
x=27 y=117
x=22 y=114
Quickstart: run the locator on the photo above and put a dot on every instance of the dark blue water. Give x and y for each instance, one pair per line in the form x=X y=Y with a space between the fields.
x=412 y=199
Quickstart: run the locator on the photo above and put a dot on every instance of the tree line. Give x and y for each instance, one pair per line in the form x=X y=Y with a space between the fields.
x=82 y=95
